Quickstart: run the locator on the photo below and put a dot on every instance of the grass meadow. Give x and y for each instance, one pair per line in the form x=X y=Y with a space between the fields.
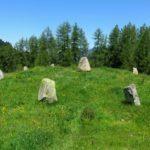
x=90 y=113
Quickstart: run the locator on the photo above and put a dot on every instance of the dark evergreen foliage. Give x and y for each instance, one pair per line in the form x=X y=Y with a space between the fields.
x=125 y=48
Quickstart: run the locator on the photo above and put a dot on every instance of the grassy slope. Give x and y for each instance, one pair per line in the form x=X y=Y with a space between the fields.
x=26 y=123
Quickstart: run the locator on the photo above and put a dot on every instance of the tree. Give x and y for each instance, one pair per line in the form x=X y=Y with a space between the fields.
x=99 y=51
x=23 y=52
x=143 y=50
x=33 y=47
x=64 y=44
x=114 y=48
x=8 y=60
x=42 y=58
x=83 y=44
x=75 y=43
x=51 y=46
x=128 y=46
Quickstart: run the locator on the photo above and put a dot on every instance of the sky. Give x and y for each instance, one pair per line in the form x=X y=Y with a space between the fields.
x=24 y=18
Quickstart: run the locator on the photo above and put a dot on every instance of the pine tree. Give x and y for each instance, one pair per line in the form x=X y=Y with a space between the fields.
x=42 y=58
x=8 y=57
x=143 y=51
x=128 y=46
x=99 y=51
x=51 y=46
x=83 y=44
x=75 y=43
x=23 y=51
x=33 y=46
x=64 y=44
x=114 y=48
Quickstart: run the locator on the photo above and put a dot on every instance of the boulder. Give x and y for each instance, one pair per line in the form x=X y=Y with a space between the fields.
x=131 y=95
x=25 y=68
x=1 y=75
x=84 y=64
x=52 y=65
x=47 y=91
x=135 y=71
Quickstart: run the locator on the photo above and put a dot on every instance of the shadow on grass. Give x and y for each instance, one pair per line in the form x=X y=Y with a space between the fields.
x=45 y=102
x=125 y=102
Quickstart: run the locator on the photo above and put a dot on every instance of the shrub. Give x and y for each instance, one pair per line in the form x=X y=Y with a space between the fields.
x=87 y=114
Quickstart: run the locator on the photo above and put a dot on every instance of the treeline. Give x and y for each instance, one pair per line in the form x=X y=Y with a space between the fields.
x=124 y=48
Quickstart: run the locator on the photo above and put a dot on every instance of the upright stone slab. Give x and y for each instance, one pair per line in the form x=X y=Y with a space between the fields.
x=84 y=64
x=135 y=71
x=25 y=68
x=47 y=90
x=131 y=95
x=1 y=75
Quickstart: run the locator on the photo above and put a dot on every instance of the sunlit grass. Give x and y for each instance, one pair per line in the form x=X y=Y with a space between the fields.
x=26 y=123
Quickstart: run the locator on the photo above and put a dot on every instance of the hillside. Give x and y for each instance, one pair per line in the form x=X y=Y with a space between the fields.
x=28 y=124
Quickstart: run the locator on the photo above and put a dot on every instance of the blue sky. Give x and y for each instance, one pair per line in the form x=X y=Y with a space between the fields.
x=23 y=18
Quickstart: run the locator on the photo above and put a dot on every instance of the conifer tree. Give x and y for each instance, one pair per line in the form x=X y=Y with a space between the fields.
x=8 y=57
x=23 y=51
x=83 y=44
x=51 y=46
x=42 y=58
x=64 y=44
x=33 y=47
x=114 y=48
x=75 y=43
x=143 y=50
x=99 y=51
x=128 y=46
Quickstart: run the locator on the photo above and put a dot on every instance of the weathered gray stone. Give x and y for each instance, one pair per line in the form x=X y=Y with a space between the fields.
x=135 y=71
x=131 y=95
x=1 y=75
x=84 y=64
x=25 y=68
x=47 y=90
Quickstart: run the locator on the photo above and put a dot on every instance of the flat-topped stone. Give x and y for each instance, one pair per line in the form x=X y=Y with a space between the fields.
x=47 y=90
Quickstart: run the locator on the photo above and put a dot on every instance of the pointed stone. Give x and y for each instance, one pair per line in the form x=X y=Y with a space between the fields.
x=25 y=68
x=84 y=64
x=131 y=95
x=1 y=75
x=47 y=90
x=135 y=71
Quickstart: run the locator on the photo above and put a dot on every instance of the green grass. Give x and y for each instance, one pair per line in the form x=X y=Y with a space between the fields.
x=26 y=124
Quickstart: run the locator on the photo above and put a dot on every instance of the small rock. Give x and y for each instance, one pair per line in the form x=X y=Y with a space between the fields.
x=25 y=68
x=131 y=95
x=1 y=75
x=52 y=65
x=84 y=64
x=47 y=90
x=135 y=71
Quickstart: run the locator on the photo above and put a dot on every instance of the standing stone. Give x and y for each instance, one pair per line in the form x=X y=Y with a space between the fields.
x=1 y=75
x=52 y=65
x=131 y=95
x=47 y=90
x=84 y=64
x=135 y=71
x=25 y=68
